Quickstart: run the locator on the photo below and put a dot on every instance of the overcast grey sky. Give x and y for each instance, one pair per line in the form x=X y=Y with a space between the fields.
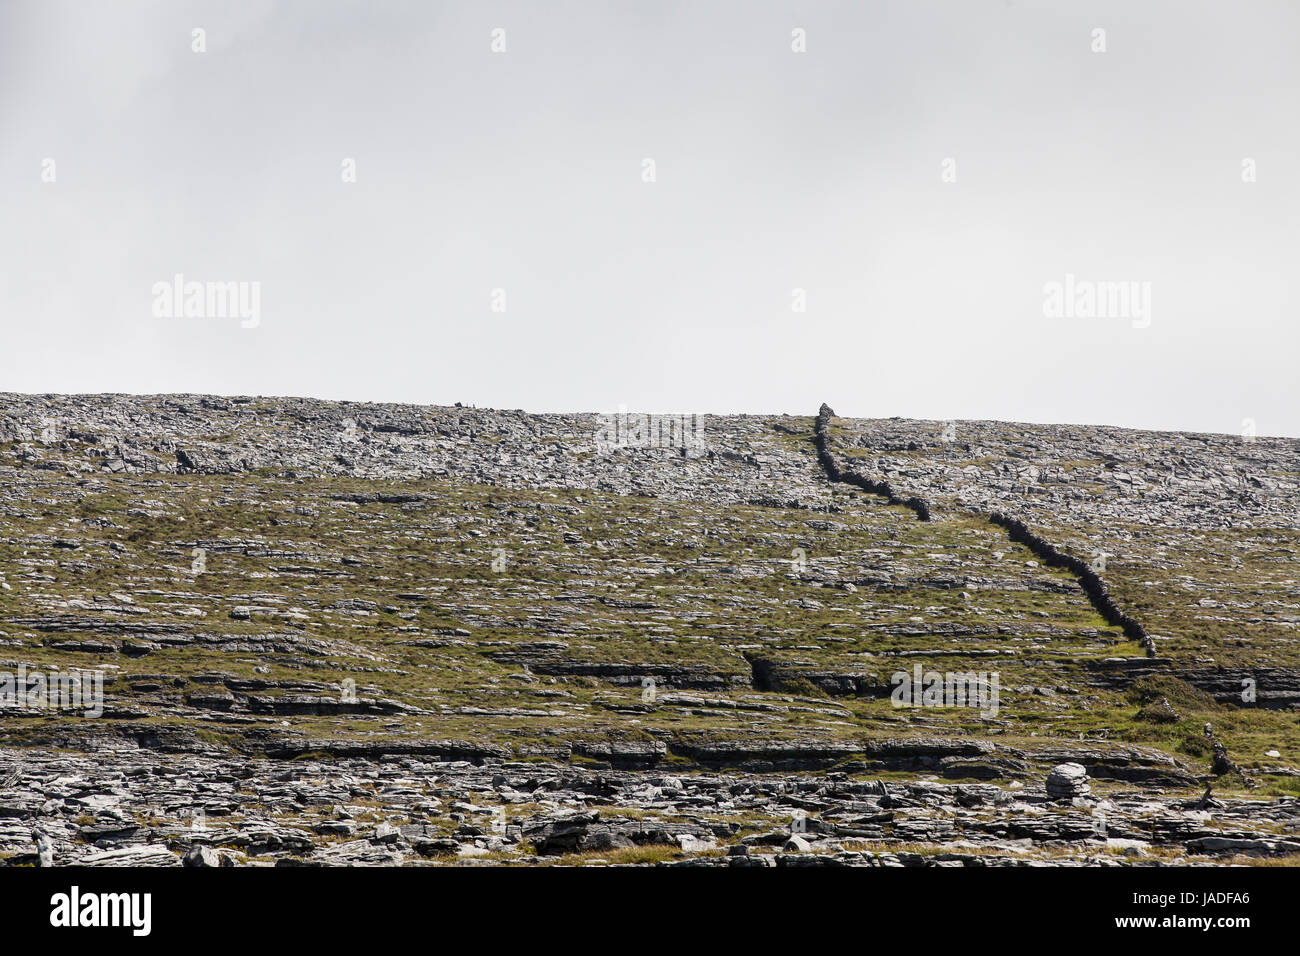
x=774 y=171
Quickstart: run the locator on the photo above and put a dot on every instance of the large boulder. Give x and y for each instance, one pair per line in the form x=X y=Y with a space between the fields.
x=1067 y=781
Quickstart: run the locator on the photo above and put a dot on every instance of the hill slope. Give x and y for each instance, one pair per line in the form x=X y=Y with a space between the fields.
x=376 y=633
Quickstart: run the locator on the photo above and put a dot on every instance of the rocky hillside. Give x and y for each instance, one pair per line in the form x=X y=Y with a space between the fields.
x=334 y=633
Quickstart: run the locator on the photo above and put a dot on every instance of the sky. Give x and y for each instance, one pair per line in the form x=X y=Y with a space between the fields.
x=703 y=206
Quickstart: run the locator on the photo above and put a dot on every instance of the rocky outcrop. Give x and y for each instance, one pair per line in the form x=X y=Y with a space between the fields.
x=1067 y=781
x=904 y=753
x=1275 y=688
x=588 y=831
x=206 y=811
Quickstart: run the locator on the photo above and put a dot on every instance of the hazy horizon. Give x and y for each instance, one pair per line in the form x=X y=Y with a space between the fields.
x=867 y=205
